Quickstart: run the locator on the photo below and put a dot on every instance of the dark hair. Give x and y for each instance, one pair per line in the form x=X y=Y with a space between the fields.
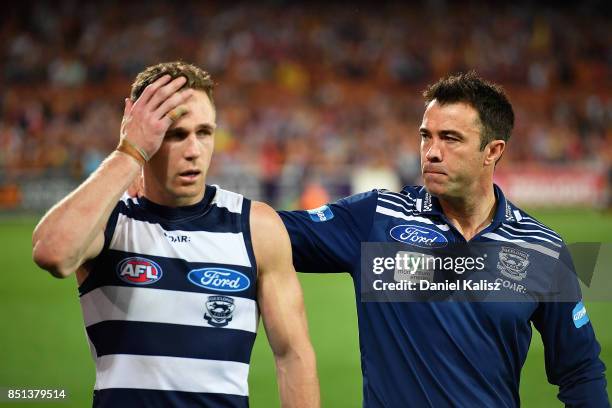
x=494 y=110
x=196 y=78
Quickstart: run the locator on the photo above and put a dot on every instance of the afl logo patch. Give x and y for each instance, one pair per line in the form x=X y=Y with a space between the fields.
x=219 y=310
x=139 y=271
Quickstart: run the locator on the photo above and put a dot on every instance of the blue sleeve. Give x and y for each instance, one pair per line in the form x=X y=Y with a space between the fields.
x=328 y=238
x=571 y=352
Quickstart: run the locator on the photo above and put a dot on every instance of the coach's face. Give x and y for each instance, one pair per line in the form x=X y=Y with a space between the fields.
x=452 y=163
x=177 y=172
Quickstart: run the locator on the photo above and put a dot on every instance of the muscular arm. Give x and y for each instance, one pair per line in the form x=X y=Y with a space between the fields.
x=282 y=308
x=73 y=230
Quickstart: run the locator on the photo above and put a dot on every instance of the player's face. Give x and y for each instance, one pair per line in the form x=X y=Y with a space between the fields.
x=451 y=160
x=177 y=172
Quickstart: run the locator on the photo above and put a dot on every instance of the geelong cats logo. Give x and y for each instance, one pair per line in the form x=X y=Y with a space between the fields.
x=219 y=310
x=513 y=263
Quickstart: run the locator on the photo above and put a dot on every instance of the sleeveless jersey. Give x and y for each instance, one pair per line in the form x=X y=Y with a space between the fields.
x=170 y=304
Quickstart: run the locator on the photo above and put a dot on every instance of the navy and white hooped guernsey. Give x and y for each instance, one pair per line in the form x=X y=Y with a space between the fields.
x=170 y=304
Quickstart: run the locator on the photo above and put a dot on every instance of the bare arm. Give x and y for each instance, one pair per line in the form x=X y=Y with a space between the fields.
x=282 y=308
x=73 y=230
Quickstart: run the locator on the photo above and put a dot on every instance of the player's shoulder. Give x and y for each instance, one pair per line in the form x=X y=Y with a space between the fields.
x=522 y=223
x=268 y=233
x=264 y=218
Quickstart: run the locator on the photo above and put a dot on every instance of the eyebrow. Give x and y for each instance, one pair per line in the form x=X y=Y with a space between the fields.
x=204 y=126
x=207 y=126
x=443 y=132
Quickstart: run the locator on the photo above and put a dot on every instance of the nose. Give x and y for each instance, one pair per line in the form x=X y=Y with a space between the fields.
x=193 y=148
x=432 y=150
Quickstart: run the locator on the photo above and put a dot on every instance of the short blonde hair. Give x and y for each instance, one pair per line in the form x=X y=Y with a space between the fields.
x=196 y=78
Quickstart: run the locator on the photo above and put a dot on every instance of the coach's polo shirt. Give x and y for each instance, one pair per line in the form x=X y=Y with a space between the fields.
x=439 y=354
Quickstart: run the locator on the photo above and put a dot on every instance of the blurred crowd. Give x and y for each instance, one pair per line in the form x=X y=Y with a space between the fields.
x=307 y=94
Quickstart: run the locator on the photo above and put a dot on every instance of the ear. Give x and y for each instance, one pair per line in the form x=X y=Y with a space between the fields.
x=494 y=151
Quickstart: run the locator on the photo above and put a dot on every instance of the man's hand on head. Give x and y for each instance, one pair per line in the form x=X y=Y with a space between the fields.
x=146 y=120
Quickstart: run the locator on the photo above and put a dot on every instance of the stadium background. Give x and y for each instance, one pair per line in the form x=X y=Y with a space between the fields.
x=314 y=102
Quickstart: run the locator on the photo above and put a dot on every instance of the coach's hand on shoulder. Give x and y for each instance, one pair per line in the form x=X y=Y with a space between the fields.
x=146 y=120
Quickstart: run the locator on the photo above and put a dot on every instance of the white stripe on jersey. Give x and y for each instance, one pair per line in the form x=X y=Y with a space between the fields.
x=228 y=199
x=536 y=223
x=395 y=204
x=391 y=213
x=523 y=244
x=555 y=237
x=160 y=306
x=147 y=238
x=525 y=235
x=397 y=196
x=171 y=374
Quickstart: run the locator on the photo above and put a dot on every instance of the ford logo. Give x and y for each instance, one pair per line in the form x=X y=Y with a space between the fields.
x=220 y=279
x=418 y=236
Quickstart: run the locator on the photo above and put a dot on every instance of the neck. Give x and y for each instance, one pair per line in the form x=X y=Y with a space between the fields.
x=472 y=213
x=166 y=198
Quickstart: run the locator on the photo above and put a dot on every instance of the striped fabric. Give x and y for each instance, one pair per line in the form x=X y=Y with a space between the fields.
x=169 y=305
x=402 y=207
x=518 y=229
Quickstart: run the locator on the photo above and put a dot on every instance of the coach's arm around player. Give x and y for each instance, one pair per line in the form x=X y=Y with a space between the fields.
x=280 y=300
x=72 y=232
